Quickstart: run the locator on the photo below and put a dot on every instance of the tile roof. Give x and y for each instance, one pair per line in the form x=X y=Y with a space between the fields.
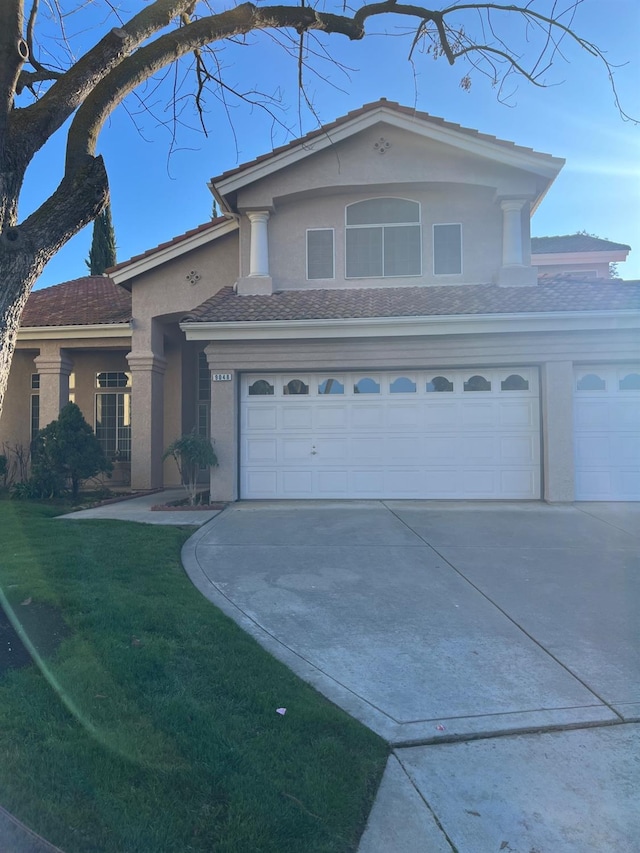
x=554 y=294
x=573 y=243
x=393 y=106
x=200 y=229
x=84 y=301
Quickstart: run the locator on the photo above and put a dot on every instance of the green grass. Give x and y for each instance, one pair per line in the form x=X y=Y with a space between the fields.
x=153 y=727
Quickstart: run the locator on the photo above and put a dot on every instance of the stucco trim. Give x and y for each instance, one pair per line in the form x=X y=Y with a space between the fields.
x=94 y=330
x=464 y=324
x=545 y=165
x=168 y=253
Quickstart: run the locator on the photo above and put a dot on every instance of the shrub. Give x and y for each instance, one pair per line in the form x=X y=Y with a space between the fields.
x=191 y=453
x=65 y=451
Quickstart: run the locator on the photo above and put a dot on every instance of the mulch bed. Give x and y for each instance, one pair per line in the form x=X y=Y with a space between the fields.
x=44 y=626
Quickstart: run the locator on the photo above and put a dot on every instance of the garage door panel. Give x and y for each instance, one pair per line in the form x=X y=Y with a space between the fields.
x=330 y=417
x=479 y=448
x=437 y=442
x=261 y=418
x=520 y=448
x=367 y=417
x=298 y=483
x=607 y=434
x=332 y=483
x=296 y=417
x=262 y=451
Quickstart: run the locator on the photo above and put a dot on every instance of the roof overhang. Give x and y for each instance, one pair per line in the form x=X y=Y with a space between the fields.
x=544 y=165
x=608 y=257
x=379 y=327
x=96 y=330
x=162 y=255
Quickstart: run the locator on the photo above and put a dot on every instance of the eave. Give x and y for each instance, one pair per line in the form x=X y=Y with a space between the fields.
x=455 y=324
x=88 y=332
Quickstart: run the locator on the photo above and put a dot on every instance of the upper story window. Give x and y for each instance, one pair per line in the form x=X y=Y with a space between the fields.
x=320 y=253
x=383 y=238
x=447 y=249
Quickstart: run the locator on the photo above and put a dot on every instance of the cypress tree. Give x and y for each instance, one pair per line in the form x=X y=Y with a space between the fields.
x=102 y=254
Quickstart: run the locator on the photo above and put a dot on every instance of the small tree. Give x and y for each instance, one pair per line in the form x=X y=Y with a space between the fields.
x=102 y=254
x=66 y=450
x=191 y=453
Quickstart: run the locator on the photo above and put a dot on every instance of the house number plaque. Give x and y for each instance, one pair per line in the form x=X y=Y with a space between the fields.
x=222 y=377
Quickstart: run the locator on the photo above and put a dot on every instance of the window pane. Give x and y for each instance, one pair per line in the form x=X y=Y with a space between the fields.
x=113 y=425
x=447 y=249
x=402 y=250
x=320 y=253
x=382 y=211
x=402 y=385
x=515 y=382
x=477 y=383
x=113 y=379
x=331 y=386
x=631 y=382
x=35 y=415
x=261 y=387
x=591 y=382
x=364 y=252
x=366 y=386
x=295 y=386
x=439 y=383
x=35 y=381
x=204 y=378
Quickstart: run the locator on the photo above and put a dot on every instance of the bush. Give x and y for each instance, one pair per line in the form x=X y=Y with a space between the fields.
x=191 y=453
x=66 y=451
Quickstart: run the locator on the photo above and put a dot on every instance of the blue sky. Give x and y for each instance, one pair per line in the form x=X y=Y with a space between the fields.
x=157 y=195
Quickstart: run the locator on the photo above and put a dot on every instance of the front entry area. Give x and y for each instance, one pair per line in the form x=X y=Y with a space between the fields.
x=459 y=433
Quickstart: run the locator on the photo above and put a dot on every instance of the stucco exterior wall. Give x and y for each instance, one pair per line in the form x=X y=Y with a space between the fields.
x=15 y=421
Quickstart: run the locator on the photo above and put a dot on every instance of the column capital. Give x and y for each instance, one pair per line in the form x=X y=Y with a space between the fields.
x=147 y=361
x=512 y=205
x=54 y=364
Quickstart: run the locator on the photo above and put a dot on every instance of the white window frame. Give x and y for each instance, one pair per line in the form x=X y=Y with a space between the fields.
x=433 y=244
x=382 y=226
x=333 y=254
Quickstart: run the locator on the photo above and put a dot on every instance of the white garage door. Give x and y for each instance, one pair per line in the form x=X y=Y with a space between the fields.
x=607 y=433
x=439 y=434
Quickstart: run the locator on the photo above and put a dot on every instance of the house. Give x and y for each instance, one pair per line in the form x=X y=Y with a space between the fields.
x=365 y=320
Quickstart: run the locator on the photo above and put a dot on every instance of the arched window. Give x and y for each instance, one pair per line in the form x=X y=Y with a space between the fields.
x=402 y=385
x=631 y=382
x=591 y=382
x=514 y=382
x=439 y=383
x=383 y=238
x=366 y=385
x=261 y=388
x=477 y=383
x=295 y=386
x=330 y=386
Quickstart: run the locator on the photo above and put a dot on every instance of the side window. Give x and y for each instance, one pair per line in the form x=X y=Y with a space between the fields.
x=383 y=238
x=447 y=249
x=320 y=254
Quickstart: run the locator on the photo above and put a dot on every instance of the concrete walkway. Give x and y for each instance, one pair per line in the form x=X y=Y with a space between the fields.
x=139 y=509
x=494 y=646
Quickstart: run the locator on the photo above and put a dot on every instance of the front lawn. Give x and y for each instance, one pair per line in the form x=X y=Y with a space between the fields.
x=150 y=724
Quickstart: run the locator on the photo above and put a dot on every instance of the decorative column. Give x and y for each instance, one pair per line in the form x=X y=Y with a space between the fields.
x=512 y=232
x=258 y=281
x=54 y=369
x=514 y=271
x=557 y=436
x=147 y=419
x=259 y=256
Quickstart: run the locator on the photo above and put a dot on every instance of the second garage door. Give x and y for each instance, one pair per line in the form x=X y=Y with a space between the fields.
x=380 y=434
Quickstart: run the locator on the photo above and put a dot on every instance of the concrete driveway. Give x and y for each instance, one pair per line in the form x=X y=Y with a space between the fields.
x=495 y=646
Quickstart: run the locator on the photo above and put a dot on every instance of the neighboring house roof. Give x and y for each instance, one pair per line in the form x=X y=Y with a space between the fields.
x=92 y=300
x=554 y=295
x=324 y=134
x=570 y=243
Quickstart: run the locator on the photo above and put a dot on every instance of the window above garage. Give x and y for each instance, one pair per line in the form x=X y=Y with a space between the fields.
x=383 y=238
